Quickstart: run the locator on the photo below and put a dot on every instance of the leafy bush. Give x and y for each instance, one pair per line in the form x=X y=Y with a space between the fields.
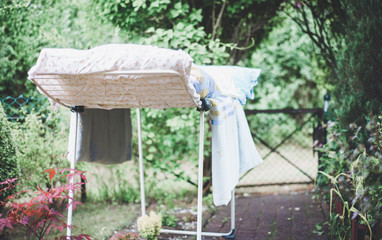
x=359 y=86
x=9 y=166
x=201 y=28
x=344 y=145
x=292 y=71
x=41 y=141
x=353 y=157
x=41 y=214
x=28 y=26
x=347 y=33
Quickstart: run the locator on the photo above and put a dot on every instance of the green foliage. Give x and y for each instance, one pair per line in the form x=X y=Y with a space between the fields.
x=341 y=223
x=357 y=165
x=169 y=220
x=346 y=144
x=9 y=166
x=166 y=24
x=292 y=77
x=28 y=26
x=199 y=27
x=169 y=137
x=110 y=193
x=359 y=90
x=292 y=74
x=322 y=21
x=368 y=195
x=20 y=40
x=347 y=34
x=41 y=140
x=118 y=188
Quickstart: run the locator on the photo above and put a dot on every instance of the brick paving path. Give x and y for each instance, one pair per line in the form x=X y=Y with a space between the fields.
x=290 y=216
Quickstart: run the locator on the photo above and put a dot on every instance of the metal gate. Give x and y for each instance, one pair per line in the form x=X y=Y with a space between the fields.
x=286 y=139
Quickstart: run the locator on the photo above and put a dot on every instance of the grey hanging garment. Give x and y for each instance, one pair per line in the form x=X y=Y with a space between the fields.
x=103 y=136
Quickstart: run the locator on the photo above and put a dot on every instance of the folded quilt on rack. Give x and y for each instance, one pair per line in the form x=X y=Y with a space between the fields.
x=96 y=78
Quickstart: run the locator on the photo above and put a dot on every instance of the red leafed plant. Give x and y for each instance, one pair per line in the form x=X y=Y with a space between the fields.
x=40 y=214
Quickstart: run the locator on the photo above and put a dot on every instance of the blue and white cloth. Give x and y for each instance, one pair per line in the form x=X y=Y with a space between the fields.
x=233 y=81
x=233 y=149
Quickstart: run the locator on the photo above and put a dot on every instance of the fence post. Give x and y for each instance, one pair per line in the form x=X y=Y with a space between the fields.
x=322 y=129
x=83 y=190
x=326 y=107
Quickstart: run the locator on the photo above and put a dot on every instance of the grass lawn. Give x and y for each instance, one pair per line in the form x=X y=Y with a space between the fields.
x=100 y=220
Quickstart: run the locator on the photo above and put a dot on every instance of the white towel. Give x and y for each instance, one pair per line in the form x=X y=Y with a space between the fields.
x=233 y=149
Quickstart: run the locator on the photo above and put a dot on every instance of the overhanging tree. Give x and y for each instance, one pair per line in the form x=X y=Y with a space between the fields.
x=348 y=35
x=223 y=28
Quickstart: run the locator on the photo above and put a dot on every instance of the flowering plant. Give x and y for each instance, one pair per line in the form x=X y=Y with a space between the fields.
x=149 y=226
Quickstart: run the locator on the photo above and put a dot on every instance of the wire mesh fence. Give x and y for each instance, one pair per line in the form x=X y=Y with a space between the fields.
x=284 y=138
x=14 y=106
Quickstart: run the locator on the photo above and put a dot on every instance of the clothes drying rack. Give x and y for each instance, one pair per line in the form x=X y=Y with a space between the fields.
x=47 y=83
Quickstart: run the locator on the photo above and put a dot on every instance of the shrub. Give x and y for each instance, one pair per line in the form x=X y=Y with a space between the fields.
x=41 y=138
x=359 y=87
x=9 y=167
x=352 y=161
x=41 y=213
x=344 y=145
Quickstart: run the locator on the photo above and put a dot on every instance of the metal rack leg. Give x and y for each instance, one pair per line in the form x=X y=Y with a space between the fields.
x=198 y=232
x=200 y=177
x=231 y=235
x=141 y=167
x=71 y=193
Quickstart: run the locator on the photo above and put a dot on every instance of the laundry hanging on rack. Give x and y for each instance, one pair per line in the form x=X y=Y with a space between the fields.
x=233 y=149
x=103 y=136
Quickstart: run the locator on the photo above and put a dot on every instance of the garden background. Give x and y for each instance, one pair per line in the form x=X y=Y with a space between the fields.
x=305 y=49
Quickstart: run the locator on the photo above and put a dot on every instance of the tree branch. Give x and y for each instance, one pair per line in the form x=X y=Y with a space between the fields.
x=216 y=25
x=318 y=33
x=238 y=54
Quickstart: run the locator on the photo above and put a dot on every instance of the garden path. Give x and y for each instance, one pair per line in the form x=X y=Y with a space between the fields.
x=278 y=216
x=291 y=216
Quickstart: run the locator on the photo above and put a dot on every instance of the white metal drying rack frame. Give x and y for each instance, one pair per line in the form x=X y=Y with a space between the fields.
x=202 y=109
